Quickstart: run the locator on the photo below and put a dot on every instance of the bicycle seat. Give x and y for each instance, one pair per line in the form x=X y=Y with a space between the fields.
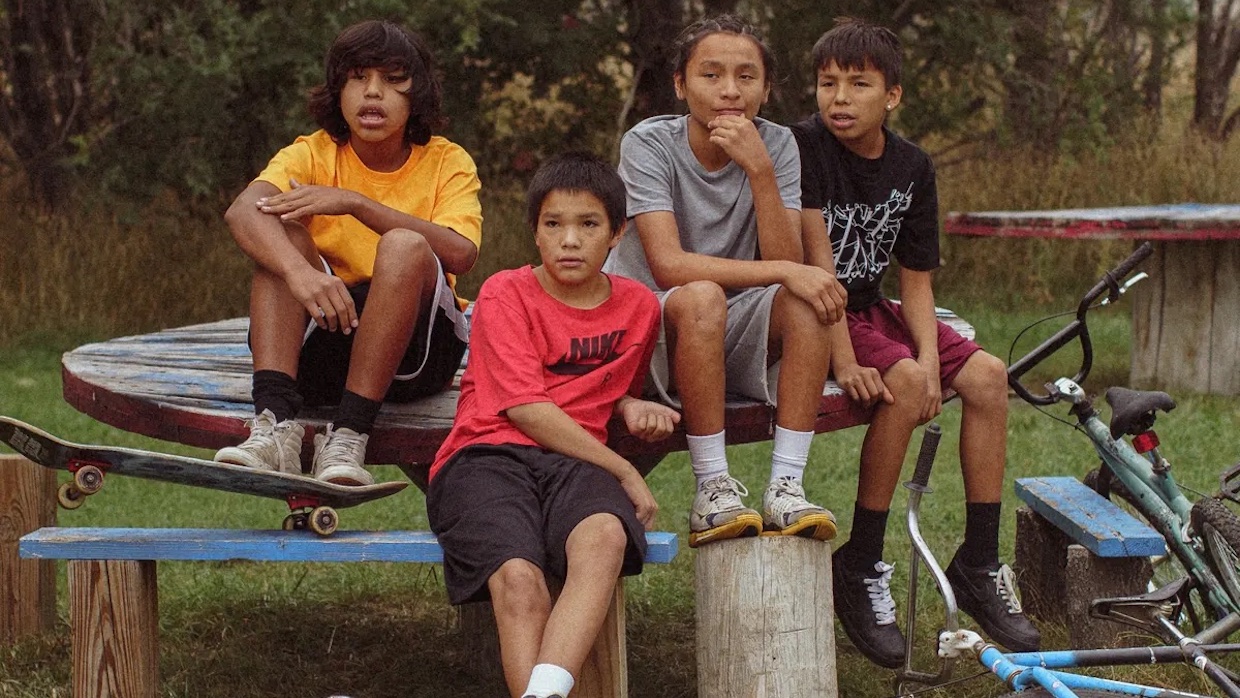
x=1132 y=411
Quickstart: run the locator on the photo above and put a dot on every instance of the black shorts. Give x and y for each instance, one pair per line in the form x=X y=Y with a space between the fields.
x=492 y=504
x=430 y=362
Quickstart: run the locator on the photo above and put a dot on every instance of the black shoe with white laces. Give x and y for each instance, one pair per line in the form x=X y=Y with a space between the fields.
x=988 y=594
x=865 y=608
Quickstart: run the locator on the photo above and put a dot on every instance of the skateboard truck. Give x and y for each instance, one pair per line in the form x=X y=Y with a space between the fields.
x=308 y=512
x=87 y=480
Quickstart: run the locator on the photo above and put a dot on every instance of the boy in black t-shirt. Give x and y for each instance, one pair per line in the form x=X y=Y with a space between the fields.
x=867 y=196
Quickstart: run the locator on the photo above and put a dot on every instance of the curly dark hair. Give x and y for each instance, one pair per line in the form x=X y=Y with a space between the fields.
x=389 y=46
x=723 y=24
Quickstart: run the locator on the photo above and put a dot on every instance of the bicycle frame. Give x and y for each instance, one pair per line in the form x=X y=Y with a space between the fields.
x=1155 y=491
x=1026 y=670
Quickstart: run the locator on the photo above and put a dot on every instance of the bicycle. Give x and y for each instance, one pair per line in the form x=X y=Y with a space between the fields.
x=1203 y=537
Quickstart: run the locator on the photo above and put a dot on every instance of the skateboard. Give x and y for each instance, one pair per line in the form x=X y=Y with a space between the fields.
x=312 y=503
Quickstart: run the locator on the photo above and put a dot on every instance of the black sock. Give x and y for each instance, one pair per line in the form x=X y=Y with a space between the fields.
x=981 y=535
x=356 y=412
x=276 y=391
x=865 y=543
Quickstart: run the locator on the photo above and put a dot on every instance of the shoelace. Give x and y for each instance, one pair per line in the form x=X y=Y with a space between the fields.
x=789 y=496
x=342 y=446
x=727 y=488
x=263 y=435
x=1005 y=587
x=879 y=590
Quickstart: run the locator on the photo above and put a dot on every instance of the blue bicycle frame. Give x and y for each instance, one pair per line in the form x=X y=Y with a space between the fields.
x=1149 y=480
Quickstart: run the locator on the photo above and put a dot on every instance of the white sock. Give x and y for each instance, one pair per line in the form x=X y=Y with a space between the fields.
x=549 y=680
x=790 y=453
x=708 y=456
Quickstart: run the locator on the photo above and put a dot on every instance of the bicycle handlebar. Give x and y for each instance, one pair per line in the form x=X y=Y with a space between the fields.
x=1074 y=330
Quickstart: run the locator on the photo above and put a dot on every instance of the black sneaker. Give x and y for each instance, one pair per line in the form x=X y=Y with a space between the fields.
x=988 y=594
x=865 y=608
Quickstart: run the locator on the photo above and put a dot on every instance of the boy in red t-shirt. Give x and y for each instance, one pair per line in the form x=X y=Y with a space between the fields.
x=525 y=485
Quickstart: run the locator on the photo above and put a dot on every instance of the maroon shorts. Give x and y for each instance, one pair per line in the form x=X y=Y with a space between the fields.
x=880 y=338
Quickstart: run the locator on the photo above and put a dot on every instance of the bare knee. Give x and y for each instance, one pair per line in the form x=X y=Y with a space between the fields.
x=403 y=256
x=982 y=381
x=518 y=588
x=697 y=309
x=906 y=380
x=600 y=537
x=793 y=317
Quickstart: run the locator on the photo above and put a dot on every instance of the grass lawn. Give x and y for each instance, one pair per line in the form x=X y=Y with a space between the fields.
x=244 y=630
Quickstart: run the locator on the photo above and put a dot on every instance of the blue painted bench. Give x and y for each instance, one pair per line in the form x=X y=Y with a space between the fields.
x=1089 y=518
x=1059 y=581
x=114 y=614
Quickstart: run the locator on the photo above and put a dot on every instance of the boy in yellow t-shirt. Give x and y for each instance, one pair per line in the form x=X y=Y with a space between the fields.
x=357 y=232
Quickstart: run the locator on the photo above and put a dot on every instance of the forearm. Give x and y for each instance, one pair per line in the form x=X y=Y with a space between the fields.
x=455 y=252
x=682 y=267
x=917 y=307
x=842 y=355
x=262 y=236
x=552 y=428
x=779 y=234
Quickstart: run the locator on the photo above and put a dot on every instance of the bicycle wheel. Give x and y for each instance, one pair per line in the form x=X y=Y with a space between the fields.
x=1219 y=528
x=1167 y=567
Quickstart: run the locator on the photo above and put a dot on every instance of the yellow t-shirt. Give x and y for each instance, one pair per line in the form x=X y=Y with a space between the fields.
x=439 y=183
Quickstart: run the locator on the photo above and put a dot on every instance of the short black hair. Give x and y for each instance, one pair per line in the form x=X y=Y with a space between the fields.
x=389 y=46
x=723 y=24
x=577 y=172
x=852 y=43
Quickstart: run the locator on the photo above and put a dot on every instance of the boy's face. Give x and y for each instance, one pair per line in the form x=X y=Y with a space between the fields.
x=854 y=104
x=724 y=76
x=375 y=104
x=573 y=236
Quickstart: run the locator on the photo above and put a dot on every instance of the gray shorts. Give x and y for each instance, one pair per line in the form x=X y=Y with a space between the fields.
x=744 y=349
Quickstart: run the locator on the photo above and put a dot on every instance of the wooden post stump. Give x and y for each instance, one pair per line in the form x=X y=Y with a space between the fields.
x=605 y=673
x=115 y=617
x=1059 y=579
x=27 y=587
x=1184 y=331
x=764 y=619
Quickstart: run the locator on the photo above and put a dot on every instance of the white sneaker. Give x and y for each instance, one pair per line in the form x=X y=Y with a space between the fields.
x=785 y=510
x=271 y=445
x=719 y=514
x=339 y=455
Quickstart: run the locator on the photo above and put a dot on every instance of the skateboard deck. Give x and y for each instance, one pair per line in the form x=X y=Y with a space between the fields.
x=311 y=501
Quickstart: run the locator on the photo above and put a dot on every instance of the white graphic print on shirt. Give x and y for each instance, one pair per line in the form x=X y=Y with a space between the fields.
x=862 y=236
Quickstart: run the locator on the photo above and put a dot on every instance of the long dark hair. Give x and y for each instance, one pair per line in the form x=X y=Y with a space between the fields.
x=389 y=46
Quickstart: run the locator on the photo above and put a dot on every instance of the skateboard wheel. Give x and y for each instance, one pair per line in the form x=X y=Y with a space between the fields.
x=88 y=479
x=295 y=522
x=69 y=496
x=324 y=520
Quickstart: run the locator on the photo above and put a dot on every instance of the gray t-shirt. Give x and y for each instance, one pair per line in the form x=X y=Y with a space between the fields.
x=714 y=210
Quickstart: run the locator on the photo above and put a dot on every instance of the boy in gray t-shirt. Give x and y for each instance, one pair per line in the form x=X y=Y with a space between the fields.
x=714 y=210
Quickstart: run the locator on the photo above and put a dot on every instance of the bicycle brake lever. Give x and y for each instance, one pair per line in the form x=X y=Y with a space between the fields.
x=1123 y=288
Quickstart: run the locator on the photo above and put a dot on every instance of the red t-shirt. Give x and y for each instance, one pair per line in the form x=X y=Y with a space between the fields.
x=525 y=346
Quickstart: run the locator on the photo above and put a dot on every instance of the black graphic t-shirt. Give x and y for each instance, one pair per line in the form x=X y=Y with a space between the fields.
x=874 y=209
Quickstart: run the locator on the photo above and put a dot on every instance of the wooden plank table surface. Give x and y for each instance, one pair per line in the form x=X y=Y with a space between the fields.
x=1186 y=318
x=191 y=385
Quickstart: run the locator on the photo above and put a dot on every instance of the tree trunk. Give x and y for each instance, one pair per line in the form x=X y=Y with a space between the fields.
x=1218 y=51
x=44 y=53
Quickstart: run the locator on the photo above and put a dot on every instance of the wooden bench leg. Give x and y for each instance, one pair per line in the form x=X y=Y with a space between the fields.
x=764 y=619
x=1046 y=559
x=27 y=587
x=605 y=673
x=114 y=613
